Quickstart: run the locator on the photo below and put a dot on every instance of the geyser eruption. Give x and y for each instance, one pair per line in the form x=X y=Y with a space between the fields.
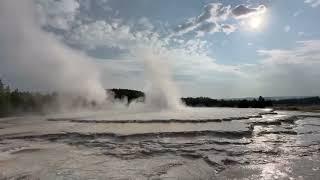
x=38 y=60
x=161 y=92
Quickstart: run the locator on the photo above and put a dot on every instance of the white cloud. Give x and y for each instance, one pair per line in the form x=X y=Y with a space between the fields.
x=58 y=14
x=208 y=21
x=307 y=52
x=88 y=4
x=313 y=3
x=303 y=34
x=297 y=13
x=208 y=28
x=215 y=18
x=287 y=28
x=101 y=33
x=282 y=72
x=287 y=72
x=145 y=23
x=242 y=11
x=189 y=57
x=228 y=28
x=290 y=71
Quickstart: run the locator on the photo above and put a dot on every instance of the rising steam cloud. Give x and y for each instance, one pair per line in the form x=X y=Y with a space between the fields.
x=162 y=92
x=38 y=60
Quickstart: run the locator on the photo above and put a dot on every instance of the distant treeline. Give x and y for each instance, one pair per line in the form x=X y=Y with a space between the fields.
x=13 y=102
x=250 y=103
x=259 y=102
x=298 y=101
x=243 y=103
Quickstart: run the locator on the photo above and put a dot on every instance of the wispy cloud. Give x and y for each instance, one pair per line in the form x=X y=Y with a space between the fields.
x=242 y=11
x=289 y=71
x=287 y=28
x=297 y=13
x=216 y=18
x=207 y=21
x=58 y=14
x=313 y=3
x=307 y=52
x=77 y=24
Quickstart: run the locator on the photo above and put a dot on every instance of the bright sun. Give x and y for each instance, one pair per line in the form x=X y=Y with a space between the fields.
x=255 y=22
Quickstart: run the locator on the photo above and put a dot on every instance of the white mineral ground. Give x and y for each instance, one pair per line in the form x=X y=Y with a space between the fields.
x=223 y=144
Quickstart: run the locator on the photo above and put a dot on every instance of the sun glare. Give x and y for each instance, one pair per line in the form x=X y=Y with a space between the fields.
x=255 y=22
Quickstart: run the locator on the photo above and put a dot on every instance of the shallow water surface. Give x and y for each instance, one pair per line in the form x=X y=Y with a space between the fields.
x=203 y=143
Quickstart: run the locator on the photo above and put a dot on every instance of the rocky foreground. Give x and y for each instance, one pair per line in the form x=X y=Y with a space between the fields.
x=282 y=145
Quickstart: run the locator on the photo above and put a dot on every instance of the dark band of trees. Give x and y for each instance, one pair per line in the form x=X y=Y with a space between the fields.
x=13 y=102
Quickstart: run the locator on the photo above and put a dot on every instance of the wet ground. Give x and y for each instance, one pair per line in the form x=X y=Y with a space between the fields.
x=221 y=144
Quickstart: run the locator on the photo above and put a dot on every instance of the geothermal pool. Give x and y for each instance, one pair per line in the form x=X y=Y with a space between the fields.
x=191 y=143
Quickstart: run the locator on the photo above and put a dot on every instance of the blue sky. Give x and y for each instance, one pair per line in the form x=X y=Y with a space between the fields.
x=213 y=48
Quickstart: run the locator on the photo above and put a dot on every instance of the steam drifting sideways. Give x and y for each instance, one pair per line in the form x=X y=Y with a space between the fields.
x=40 y=61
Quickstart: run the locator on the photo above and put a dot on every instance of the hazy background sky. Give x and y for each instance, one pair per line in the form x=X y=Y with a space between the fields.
x=215 y=48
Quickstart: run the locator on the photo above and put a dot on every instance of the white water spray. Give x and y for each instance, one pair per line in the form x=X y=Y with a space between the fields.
x=161 y=91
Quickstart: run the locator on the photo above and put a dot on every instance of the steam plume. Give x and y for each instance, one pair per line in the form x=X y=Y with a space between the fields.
x=39 y=59
x=161 y=92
